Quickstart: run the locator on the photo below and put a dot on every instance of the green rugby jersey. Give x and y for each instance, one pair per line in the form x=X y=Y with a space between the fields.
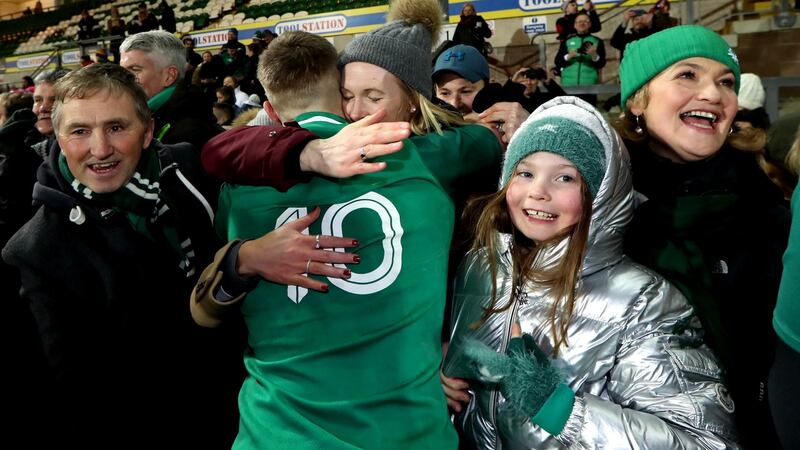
x=356 y=367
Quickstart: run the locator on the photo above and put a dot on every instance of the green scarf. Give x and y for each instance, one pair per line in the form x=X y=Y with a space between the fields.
x=138 y=196
x=666 y=237
x=159 y=99
x=156 y=103
x=140 y=200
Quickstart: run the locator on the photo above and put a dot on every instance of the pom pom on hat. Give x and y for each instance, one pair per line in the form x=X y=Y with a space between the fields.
x=403 y=46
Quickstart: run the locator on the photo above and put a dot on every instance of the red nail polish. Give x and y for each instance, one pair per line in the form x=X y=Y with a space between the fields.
x=355 y=243
x=356 y=259
x=324 y=288
x=347 y=273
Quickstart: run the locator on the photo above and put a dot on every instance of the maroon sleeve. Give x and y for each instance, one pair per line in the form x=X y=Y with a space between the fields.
x=258 y=155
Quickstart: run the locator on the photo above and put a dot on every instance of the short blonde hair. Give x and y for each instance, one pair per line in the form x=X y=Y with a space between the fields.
x=297 y=68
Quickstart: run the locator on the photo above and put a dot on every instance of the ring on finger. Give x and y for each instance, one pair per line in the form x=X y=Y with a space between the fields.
x=362 y=153
x=500 y=128
x=308 y=265
x=316 y=243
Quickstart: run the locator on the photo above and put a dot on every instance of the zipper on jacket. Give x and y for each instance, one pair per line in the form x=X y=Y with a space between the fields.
x=503 y=347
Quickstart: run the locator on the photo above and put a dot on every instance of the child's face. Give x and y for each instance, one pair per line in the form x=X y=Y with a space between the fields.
x=544 y=195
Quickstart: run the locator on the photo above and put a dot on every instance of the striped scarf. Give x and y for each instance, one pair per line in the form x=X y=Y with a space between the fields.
x=140 y=200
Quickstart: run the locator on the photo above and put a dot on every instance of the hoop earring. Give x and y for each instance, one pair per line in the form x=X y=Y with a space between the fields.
x=638 y=130
x=730 y=132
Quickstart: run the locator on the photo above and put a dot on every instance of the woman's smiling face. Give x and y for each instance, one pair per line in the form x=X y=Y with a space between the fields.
x=690 y=109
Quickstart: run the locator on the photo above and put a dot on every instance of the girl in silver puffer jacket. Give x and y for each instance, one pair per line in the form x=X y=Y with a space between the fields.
x=583 y=348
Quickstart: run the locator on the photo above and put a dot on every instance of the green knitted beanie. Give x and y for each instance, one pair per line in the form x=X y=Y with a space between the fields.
x=646 y=58
x=563 y=137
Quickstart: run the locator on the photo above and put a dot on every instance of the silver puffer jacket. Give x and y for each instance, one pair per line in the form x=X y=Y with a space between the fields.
x=641 y=374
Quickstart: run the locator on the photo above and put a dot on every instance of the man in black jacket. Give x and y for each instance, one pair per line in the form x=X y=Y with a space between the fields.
x=107 y=264
x=181 y=113
x=24 y=140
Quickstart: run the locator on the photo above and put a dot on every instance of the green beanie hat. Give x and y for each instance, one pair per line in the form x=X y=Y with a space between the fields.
x=564 y=137
x=646 y=58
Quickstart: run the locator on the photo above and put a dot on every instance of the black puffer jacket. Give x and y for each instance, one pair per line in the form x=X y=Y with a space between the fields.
x=717 y=229
x=111 y=307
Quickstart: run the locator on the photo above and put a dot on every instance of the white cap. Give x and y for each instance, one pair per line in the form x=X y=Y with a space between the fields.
x=751 y=92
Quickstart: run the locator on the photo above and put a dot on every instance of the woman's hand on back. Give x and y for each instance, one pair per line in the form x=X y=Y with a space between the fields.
x=347 y=152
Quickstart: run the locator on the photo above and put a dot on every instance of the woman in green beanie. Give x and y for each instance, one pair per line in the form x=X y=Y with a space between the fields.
x=709 y=218
x=565 y=342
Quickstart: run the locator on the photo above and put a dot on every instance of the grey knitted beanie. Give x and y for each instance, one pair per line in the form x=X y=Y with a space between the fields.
x=403 y=46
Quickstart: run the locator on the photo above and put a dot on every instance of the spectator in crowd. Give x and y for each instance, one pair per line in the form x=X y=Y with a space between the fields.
x=225 y=94
x=269 y=35
x=224 y=113
x=11 y=102
x=193 y=59
x=180 y=112
x=167 y=20
x=752 y=120
x=581 y=56
x=37 y=8
x=258 y=38
x=107 y=263
x=533 y=81
x=784 y=391
x=472 y=30
x=88 y=28
x=661 y=18
x=144 y=20
x=250 y=83
x=641 y=25
x=25 y=139
x=696 y=176
x=459 y=74
x=565 y=26
x=86 y=60
x=27 y=12
x=233 y=42
x=234 y=61
x=751 y=98
x=239 y=97
x=27 y=84
x=461 y=79
x=115 y=26
x=209 y=75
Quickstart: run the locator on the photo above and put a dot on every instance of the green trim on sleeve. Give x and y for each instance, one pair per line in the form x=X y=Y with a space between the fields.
x=553 y=415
